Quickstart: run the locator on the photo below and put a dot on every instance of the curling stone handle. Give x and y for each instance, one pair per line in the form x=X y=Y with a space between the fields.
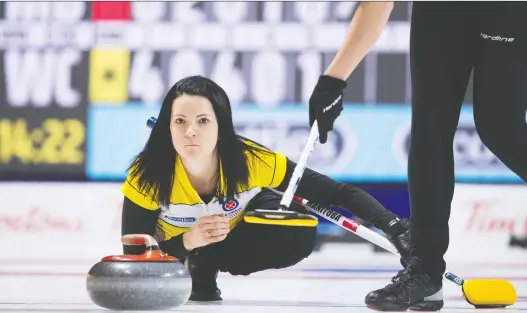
x=152 y=252
x=140 y=239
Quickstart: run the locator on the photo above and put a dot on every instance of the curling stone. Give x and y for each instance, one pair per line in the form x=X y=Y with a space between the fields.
x=151 y=281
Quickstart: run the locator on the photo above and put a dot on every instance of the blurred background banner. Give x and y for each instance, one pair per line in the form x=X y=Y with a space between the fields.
x=78 y=80
x=368 y=145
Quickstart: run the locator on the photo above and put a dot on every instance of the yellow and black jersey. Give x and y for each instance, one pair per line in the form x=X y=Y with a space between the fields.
x=141 y=215
x=266 y=169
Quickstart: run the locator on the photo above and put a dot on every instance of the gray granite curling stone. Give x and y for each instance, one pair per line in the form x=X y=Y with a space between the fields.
x=151 y=281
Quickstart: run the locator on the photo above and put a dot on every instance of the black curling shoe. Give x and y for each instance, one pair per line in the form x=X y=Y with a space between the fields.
x=410 y=289
x=204 y=287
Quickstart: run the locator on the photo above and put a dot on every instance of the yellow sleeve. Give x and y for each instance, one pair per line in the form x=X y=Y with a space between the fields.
x=270 y=167
x=131 y=191
x=279 y=170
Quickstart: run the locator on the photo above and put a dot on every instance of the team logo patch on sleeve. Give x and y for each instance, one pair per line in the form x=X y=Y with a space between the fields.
x=230 y=205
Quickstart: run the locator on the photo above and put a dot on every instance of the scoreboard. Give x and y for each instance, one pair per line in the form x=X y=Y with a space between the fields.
x=62 y=64
x=266 y=53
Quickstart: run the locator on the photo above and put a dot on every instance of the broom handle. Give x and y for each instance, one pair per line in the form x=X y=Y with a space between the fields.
x=359 y=230
x=287 y=196
x=346 y=223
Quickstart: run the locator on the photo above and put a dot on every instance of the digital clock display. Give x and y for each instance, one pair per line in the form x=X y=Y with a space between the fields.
x=54 y=141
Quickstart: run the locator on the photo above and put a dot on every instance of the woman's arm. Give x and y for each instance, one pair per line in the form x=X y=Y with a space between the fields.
x=365 y=28
x=138 y=220
x=326 y=100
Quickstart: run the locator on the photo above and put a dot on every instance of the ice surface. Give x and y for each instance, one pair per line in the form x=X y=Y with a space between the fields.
x=330 y=281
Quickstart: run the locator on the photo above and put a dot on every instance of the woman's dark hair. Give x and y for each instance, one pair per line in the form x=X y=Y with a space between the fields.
x=154 y=166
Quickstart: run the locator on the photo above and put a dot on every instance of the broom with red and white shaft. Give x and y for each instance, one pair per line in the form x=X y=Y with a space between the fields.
x=482 y=293
x=348 y=224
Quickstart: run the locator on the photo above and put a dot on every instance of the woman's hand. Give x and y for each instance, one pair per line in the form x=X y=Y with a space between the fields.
x=208 y=229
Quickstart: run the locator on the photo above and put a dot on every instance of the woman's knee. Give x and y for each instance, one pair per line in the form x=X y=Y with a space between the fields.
x=297 y=244
x=430 y=128
x=285 y=246
x=265 y=200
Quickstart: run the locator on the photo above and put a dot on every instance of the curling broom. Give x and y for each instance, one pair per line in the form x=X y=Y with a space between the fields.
x=282 y=216
x=481 y=293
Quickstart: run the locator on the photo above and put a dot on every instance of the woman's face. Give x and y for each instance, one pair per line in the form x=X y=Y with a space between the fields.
x=193 y=126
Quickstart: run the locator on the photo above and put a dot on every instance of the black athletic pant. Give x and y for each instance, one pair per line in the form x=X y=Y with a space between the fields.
x=448 y=40
x=251 y=248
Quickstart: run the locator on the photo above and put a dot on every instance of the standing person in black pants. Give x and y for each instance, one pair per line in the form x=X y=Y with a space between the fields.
x=448 y=40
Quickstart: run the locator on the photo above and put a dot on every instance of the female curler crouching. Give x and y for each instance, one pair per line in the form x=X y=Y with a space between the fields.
x=195 y=178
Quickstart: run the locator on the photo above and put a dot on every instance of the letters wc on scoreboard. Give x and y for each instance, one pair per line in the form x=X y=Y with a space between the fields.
x=43 y=88
x=43 y=104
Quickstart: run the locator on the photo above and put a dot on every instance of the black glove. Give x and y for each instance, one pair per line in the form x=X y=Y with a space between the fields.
x=325 y=104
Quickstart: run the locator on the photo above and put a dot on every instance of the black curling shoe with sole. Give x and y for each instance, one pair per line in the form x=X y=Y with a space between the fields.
x=411 y=289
